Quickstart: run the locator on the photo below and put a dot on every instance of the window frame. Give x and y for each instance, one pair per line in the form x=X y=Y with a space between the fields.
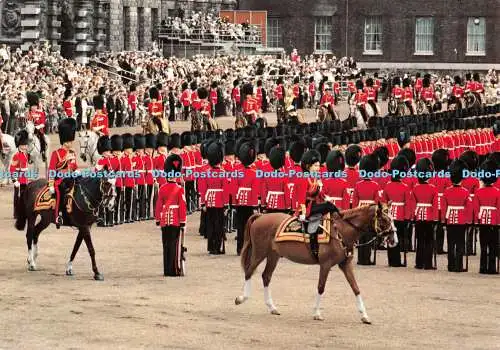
x=424 y=36
x=372 y=19
x=274 y=36
x=469 y=42
x=326 y=33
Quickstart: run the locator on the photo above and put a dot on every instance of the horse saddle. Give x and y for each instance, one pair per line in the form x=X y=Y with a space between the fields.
x=313 y=223
x=291 y=229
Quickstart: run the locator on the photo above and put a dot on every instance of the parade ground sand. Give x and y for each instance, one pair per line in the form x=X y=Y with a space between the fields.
x=135 y=307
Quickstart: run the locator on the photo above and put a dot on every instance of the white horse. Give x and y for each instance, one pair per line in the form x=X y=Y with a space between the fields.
x=34 y=148
x=88 y=146
x=360 y=122
x=8 y=150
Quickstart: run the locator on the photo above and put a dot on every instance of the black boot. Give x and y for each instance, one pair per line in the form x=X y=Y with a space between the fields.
x=313 y=238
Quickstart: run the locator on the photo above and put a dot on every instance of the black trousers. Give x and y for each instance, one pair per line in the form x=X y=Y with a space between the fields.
x=148 y=200
x=394 y=254
x=203 y=224
x=140 y=203
x=185 y=112
x=18 y=195
x=470 y=232
x=41 y=138
x=118 y=218
x=440 y=238
x=214 y=227
x=242 y=215
x=190 y=195
x=424 y=232
x=131 y=120
x=171 y=250
x=456 y=247
x=127 y=205
x=488 y=238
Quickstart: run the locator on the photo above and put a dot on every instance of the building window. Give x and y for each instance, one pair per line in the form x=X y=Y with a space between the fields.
x=323 y=34
x=126 y=28
x=476 y=31
x=424 y=36
x=273 y=32
x=373 y=35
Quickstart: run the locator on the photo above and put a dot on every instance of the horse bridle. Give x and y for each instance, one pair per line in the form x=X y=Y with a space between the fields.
x=85 y=148
x=88 y=201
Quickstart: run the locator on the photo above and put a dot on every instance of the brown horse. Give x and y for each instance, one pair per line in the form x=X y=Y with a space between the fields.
x=260 y=244
x=89 y=194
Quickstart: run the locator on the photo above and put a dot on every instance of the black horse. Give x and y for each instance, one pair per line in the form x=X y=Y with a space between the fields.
x=89 y=194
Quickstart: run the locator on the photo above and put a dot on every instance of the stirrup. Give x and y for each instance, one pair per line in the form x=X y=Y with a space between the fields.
x=59 y=221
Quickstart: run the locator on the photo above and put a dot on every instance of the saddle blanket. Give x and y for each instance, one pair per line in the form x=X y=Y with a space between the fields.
x=291 y=230
x=44 y=200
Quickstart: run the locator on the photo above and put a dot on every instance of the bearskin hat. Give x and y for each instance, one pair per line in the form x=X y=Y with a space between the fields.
x=426 y=82
x=150 y=141
x=309 y=158
x=476 y=77
x=116 y=143
x=441 y=159
x=311 y=79
x=133 y=87
x=353 y=155
x=67 y=94
x=308 y=141
x=409 y=154
x=128 y=141
x=102 y=90
x=98 y=102
x=247 y=89
x=139 y=141
x=296 y=80
x=21 y=138
x=406 y=82
x=323 y=150
x=369 y=82
x=230 y=134
x=174 y=141
x=184 y=86
x=359 y=85
x=261 y=142
x=186 y=139
x=369 y=163
x=162 y=140
x=458 y=80
x=236 y=83
x=193 y=85
x=383 y=155
x=471 y=159
x=399 y=165
x=488 y=176
x=457 y=171
x=103 y=144
x=424 y=169
x=247 y=153
x=215 y=153
x=396 y=81
x=67 y=129
x=202 y=93
x=297 y=150
x=154 y=94
x=213 y=85
x=229 y=147
x=33 y=99
x=173 y=163
x=335 y=161
x=496 y=128
x=277 y=157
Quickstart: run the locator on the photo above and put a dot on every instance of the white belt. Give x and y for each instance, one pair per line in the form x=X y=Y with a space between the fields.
x=173 y=206
x=336 y=198
x=214 y=190
x=424 y=205
x=24 y=169
x=244 y=189
x=485 y=208
x=397 y=204
x=450 y=208
x=440 y=194
x=368 y=201
x=273 y=193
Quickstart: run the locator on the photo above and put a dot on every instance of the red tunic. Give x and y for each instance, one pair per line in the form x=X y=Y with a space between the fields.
x=213 y=96
x=427 y=94
x=456 y=206
x=155 y=108
x=235 y=95
x=38 y=118
x=100 y=123
x=171 y=205
x=159 y=166
x=352 y=178
x=139 y=168
x=127 y=168
x=441 y=183
x=371 y=93
x=457 y=91
x=336 y=88
x=337 y=188
x=408 y=94
x=365 y=192
x=214 y=189
x=293 y=170
x=116 y=167
x=247 y=189
x=206 y=108
x=418 y=85
x=61 y=161
x=68 y=108
x=258 y=96
x=327 y=99
x=195 y=101
x=250 y=104
x=19 y=167
x=278 y=92
x=132 y=101
x=425 y=198
x=361 y=99
x=399 y=194
x=486 y=206
x=147 y=160
x=275 y=191
x=306 y=192
x=312 y=89
x=296 y=90
x=397 y=92
x=185 y=98
x=104 y=164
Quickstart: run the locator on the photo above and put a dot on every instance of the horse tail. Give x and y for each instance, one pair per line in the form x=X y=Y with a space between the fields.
x=20 y=210
x=246 y=251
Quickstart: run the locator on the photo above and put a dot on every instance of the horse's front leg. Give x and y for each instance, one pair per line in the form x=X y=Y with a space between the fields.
x=88 y=241
x=348 y=270
x=324 y=270
x=76 y=246
x=29 y=242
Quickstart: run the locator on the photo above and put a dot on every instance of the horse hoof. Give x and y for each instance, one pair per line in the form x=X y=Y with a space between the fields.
x=31 y=268
x=99 y=277
x=239 y=300
x=366 y=320
x=318 y=318
x=69 y=272
x=275 y=312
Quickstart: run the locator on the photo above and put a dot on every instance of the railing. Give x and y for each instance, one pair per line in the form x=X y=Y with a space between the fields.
x=207 y=36
x=115 y=71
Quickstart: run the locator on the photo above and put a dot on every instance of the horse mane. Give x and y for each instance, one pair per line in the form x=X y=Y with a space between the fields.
x=350 y=212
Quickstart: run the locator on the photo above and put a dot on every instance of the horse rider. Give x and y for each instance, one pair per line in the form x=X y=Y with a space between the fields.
x=457 y=94
x=38 y=117
x=361 y=99
x=250 y=104
x=309 y=196
x=478 y=87
x=408 y=95
x=99 y=123
x=155 y=108
x=371 y=96
x=327 y=101
x=18 y=168
x=104 y=164
x=205 y=108
x=116 y=148
x=427 y=94
x=417 y=86
x=486 y=204
x=62 y=161
x=170 y=215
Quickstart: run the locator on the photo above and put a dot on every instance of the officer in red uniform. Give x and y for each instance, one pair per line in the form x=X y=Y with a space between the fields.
x=335 y=185
x=18 y=168
x=105 y=166
x=336 y=88
x=247 y=190
x=397 y=92
x=275 y=195
x=352 y=157
x=132 y=103
x=68 y=104
x=399 y=195
x=236 y=97
x=250 y=104
x=99 y=123
x=155 y=108
x=361 y=99
x=214 y=198
x=188 y=162
x=279 y=92
x=366 y=192
x=408 y=95
x=38 y=117
x=486 y=204
x=312 y=92
x=204 y=106
x=457 y=215
x=185 y=100
x=170 y=214
x=147 y=160
x=427 y=95
x=139 y=200
x=327 y=101
x=457 y=93
x=159 y=163
x=371 y=95
x=128 y=176
x=425 y=198
x=117 y=147
x=62 y=160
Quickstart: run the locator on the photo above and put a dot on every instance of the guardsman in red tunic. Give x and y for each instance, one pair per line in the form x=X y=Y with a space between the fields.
x=247 y=191
x=296 y=151
x=397 y=92
x=279 y=92
x=296 y=92
x=441 y=161
x=132 y=103
x=128 y=176
x=155 y=108
x=250 y=104
x=399 y=195
x=105 y=166
x=361 y=99
x=486 y=204
x=214 y=198
x=425 y=198
x=457 y=215
x=408 y=95
x=147 y=160
x=418 y=86
x=38 y=117
x=117 y=147
x=185 y=100
x=275 y=195
x=159 y=162
x=352 y=157
x=351 y=87
x=335 y=186
x=62 y=160
x=327 y=101
x=195 y=99
x=236 y=97
x=259 y=96
x=170 y=214
x=427 y=95
x=99 y=123
x=457 y=93
x=371 y=96
x=213 y=97
x=68 y=104
x=336 y=88
x=139 y=200
x=366 y=192
x=205 y=107
x=19 y=166
x=312 y=92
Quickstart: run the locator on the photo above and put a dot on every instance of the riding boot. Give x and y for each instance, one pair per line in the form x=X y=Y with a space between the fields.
x=313 y=238
x=109 y=216
x=59 y=218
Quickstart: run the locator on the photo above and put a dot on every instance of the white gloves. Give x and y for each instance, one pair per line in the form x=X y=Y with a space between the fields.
x=52 y=190
x=17 y=184
x=302 y=217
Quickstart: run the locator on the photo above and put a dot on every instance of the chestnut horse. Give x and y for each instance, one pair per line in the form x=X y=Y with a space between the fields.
x=260 y=244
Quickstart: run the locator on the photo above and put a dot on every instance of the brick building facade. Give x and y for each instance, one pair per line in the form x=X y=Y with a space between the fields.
x=440 y=33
